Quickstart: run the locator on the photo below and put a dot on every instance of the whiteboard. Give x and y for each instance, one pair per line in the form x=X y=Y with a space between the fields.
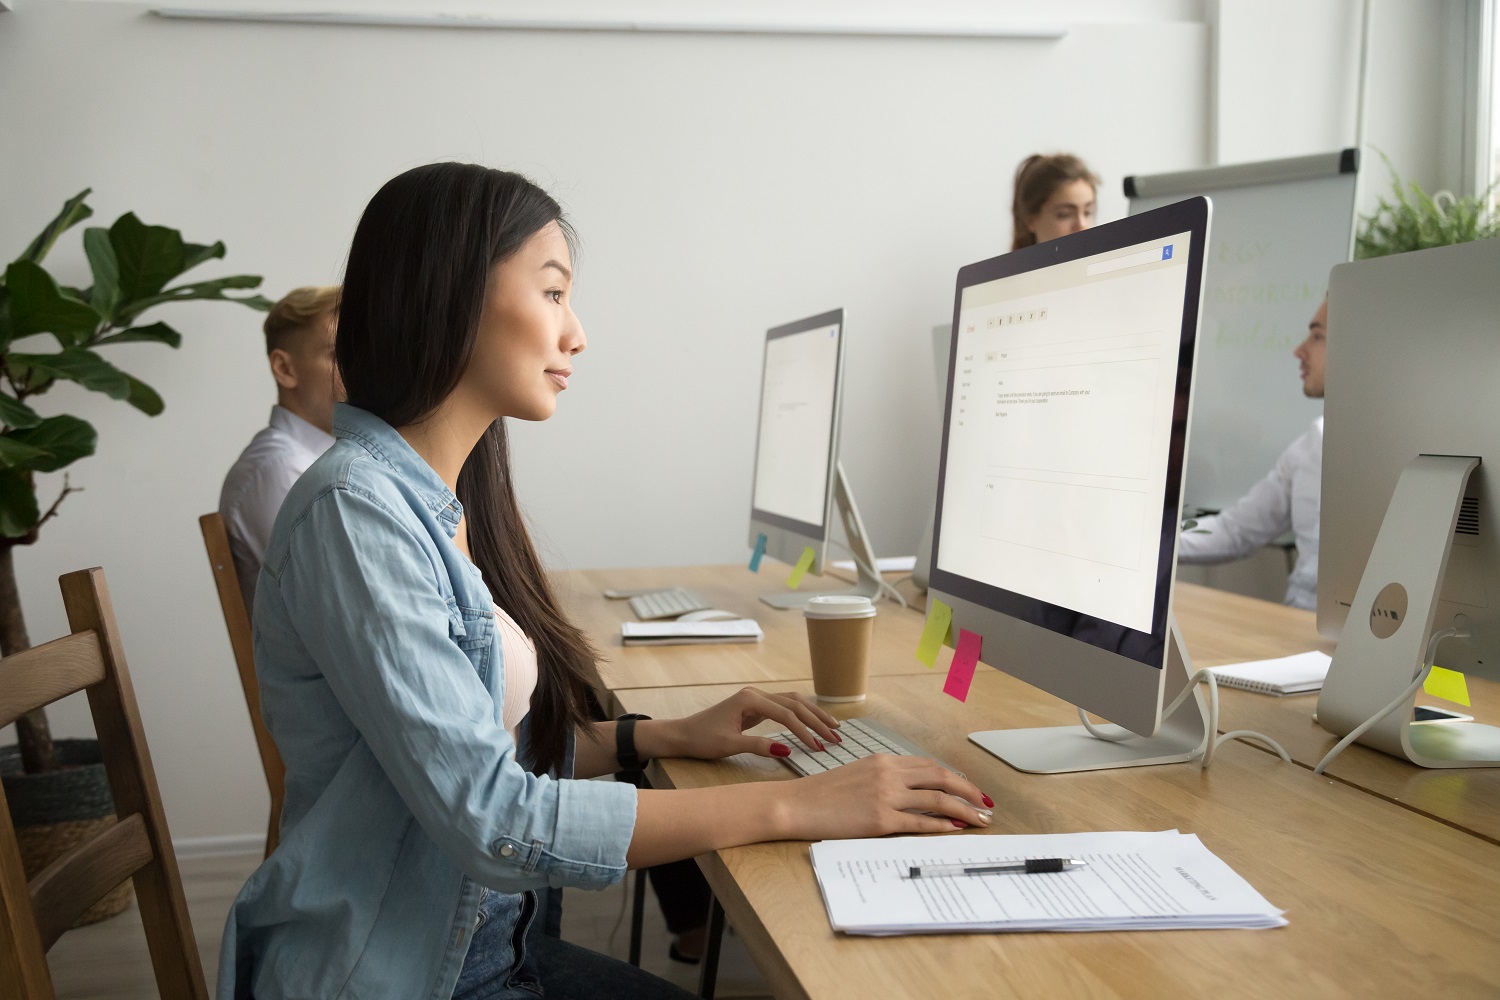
x=1278 y=228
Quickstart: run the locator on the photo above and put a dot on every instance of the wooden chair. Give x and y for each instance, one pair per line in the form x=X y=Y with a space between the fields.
x=34 y=915
x=237 y=620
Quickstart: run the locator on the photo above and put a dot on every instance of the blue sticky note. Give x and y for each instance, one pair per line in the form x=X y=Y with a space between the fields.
x=760 y=551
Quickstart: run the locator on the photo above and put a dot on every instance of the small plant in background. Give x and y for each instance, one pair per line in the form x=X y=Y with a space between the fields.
x=1415 y=220
x=132 y=266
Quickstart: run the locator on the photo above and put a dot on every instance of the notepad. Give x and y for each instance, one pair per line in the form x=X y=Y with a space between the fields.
x=1133 y=881
x=690 y=633
x=1288 y=675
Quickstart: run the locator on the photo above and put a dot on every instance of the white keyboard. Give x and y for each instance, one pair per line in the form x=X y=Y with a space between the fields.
x=862 y=737
x=666 y=604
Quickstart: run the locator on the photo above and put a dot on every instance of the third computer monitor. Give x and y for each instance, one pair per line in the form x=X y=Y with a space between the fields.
x=1060 y=478
x=796 y=447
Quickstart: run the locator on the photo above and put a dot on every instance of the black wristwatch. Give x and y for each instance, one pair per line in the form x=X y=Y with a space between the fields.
x=625 y=742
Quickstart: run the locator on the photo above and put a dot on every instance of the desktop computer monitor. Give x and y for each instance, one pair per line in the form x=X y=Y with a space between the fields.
x=1060 y=480
x=798 y=481
x=1410 y=534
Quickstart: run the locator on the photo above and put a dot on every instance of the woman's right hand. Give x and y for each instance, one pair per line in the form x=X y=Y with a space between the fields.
x=879 y=795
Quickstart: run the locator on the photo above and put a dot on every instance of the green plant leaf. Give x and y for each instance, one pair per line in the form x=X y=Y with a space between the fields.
x=144 y=398
x=73 y=212
x=194 y=254
x=18 y=508
x=158 y=333
x=7 y=328
x=149 y=256
x=199 y=290
x=76 y=365
x=16 y=454
x=16 y=414
x=37 y=305
x=105 y=295
x=63 y=439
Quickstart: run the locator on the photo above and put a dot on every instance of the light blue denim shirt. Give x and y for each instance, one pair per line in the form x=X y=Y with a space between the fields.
x=381 y=683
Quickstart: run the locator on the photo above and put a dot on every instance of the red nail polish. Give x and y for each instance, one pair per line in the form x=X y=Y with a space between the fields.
x=780 y=750
x=837 y=738
x=959 y=823
x=988 y=801
x=819 y=744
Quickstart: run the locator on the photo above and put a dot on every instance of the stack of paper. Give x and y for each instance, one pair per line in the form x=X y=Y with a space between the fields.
x=1287 y=675
x=690 y=633
x=1133 y=881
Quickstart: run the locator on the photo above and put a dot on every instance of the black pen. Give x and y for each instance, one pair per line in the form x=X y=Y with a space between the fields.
x=1034 y=866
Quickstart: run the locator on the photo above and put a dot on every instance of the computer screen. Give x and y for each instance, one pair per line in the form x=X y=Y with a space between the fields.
x=1413 y=359
x=797 y=440
x=1063 y=444
x=795 y=446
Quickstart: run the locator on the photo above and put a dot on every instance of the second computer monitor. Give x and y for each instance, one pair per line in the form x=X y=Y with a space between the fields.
x=796 y=445
x=1059 y=487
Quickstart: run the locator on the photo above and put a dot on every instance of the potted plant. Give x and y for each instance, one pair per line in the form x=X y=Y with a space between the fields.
x=1415 y=220
x=58 y=792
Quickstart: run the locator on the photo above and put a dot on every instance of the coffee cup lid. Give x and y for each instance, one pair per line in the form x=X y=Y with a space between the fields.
x=839 y=606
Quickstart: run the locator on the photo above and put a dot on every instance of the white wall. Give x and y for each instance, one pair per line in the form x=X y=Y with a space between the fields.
x=1286 y=84
x=721 y=184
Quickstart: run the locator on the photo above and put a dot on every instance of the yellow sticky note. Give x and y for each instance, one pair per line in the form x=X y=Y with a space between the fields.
x=938 y=628
x=1448 y=685
x=800 y=570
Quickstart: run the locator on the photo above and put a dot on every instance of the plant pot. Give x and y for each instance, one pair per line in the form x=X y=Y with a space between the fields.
x=56 y=811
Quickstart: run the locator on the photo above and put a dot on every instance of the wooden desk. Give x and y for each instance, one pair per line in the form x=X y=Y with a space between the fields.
x=1383 y=902
x=1226 y=628
x=1219 y=628
x=781 y=657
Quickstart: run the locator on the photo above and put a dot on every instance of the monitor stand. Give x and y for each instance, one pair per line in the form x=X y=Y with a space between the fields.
x=1060 y=749
x=867 y=584
x=1384 y=643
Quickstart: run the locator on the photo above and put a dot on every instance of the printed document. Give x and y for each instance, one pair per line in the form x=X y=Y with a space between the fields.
x=1133 y=881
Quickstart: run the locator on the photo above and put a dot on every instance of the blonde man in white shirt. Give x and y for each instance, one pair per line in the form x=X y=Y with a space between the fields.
x=1289 y=498
x=299 y=348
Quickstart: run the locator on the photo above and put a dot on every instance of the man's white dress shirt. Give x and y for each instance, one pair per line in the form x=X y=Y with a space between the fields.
x=1288 y=499
x=258 y=483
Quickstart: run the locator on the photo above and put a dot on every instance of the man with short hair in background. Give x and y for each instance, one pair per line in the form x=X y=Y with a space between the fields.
x=299 y=348
x=1289 y=498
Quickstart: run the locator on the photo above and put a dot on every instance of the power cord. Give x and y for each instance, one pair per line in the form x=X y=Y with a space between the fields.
x=885 y=588
x=1456 y=632
x=1204 y=754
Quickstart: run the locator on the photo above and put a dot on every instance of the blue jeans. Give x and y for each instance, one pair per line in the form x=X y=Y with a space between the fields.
x=510 y=959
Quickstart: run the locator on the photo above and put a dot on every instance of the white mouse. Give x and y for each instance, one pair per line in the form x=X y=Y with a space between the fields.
x=708 y=615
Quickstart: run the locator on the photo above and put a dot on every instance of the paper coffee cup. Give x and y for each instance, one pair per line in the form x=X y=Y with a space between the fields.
x=839 y=627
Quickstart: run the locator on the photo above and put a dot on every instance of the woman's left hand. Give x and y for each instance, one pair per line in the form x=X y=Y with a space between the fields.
x=719 y=731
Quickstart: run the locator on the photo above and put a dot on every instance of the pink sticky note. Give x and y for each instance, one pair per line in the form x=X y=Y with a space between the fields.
x=961 y=670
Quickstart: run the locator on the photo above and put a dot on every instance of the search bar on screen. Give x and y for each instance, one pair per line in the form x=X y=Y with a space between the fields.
x=1130 y=260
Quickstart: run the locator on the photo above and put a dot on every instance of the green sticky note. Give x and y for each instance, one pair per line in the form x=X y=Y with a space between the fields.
x=938 y=628
x=800 y=570
x=1448 y=685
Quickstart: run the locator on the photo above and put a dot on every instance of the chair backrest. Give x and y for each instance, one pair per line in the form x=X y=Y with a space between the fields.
x=237 y=620
x=34 y=915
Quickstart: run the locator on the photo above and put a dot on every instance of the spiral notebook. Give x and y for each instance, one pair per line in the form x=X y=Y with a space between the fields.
x=1295 y=674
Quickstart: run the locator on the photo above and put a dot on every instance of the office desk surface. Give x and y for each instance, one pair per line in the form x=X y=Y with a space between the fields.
x=1382 y=901
x=1219 y=628
x=782 y=656
x=1227 y=628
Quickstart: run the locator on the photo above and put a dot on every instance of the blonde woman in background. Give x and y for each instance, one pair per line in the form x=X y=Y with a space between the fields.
x=1054 y=196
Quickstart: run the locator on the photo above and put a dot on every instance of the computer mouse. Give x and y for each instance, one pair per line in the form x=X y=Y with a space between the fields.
x=708 y=615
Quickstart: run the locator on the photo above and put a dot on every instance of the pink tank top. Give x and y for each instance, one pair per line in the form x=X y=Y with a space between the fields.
x=519 y=656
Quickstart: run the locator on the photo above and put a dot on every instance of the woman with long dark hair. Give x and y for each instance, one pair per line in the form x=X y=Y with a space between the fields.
x=429 y=698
